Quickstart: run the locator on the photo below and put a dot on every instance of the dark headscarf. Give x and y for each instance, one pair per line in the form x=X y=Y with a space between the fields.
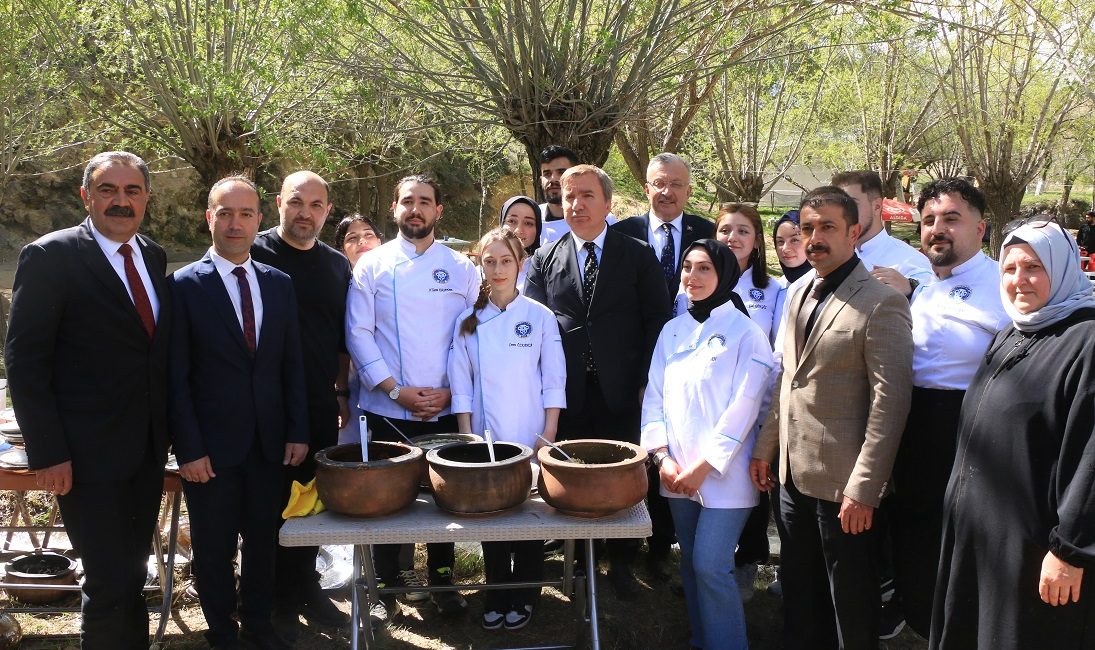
x=727 y=270
x=792 y=273
x=535 y=210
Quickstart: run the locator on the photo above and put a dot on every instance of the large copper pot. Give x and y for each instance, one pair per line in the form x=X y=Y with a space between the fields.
x=605 y=477
x=466 y=482
x=384 y=485
x=23 y=570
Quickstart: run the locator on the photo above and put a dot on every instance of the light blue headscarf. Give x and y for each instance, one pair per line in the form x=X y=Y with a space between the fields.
x=1070 y=289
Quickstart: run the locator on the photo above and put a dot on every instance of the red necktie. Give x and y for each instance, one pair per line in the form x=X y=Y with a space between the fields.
x=247 y=307
x=136 y=287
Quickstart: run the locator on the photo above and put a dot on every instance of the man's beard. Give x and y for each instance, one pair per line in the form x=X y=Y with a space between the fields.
x=947 y=258
x=416 y=232
x=556 y=199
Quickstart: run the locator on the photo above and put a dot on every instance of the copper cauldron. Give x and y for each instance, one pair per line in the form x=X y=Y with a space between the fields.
x=384 y=485
x=605 y=477
x=466 y=482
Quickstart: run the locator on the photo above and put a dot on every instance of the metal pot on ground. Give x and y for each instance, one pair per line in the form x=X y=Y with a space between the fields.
x=40 y=568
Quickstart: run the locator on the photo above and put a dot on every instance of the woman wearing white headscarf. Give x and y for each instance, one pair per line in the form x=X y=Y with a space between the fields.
x=1019 y=527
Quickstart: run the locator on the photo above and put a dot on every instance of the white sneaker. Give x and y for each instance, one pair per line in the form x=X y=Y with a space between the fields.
x=518 y=618
x=746 y=576
x=411 y=578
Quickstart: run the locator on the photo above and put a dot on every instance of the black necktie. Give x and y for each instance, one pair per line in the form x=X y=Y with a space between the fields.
x=668 y=259
x=589 y=274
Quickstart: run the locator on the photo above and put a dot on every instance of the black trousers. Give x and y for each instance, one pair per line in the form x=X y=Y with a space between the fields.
x=662 y=532
x=246 y=501
x=830 y=581
x=597 y=420
x=297 y=578
x=111 y=525
x=921 y=472
x=753 y=544
x=440 y=557
x=512 y=562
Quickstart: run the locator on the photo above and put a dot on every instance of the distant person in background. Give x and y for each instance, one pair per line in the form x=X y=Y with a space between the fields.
x=86 y=361
x=790 y=248
x=508 y=374
x=356 y=235
x=707 y=380
x=554 y=161
x=1085 y=236
x=1019 y=528
x=521 y=216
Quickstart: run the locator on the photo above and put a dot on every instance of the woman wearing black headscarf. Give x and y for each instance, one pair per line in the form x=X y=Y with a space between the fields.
x=707 y=379
x=790 y=247
x=521 y=216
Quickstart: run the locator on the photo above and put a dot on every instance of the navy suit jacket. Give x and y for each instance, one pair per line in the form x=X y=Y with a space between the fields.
x=87 y=383
x=223 y=400
x=694 y=228
x=621 y=325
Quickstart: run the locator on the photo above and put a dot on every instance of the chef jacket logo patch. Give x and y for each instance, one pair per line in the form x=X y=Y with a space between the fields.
x=523 y=329
x=440 y=276
x=756 y=294
x=960 y=293
x=716 y=340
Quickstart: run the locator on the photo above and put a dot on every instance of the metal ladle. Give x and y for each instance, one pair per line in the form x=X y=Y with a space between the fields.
x=555 y=447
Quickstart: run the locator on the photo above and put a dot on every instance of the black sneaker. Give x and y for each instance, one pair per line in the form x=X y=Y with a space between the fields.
x=518 y=618
x=385 y=613
x=321 y=611
x=449 y=603
x=891 y=620
x=623 y=583
x=493 y=620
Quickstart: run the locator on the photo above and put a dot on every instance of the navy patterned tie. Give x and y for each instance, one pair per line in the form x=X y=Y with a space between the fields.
x=589 y=274
x=668 y=260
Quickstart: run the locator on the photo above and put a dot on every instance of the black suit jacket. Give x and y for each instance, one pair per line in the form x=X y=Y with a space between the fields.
x=87 y=383
x=694 y=228
x=223 y=400
x=629 y=307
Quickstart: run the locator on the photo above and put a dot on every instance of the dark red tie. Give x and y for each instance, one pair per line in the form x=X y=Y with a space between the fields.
x=247 y=307
x=136 y=287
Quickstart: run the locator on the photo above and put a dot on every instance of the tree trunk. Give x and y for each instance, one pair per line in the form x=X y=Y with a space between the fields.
x=1066 y=193
x=587 y=140
x=1004 y=200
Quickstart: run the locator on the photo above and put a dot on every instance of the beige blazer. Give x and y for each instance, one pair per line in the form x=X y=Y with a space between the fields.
x=839 y=409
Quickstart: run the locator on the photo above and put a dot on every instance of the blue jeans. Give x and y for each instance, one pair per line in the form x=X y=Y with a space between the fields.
x=708 y=537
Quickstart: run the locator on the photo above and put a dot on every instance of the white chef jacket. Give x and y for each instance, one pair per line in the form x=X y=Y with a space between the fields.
x=764 y=305
x=509 y=370
x=703 y=394
x=522 y=275
x=400 y=312
x=954 y=320
x=885 y=250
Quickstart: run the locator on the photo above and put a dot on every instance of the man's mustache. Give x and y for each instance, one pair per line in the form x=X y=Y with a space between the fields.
x=939 y=239
x=817 y=248
x=118 y=211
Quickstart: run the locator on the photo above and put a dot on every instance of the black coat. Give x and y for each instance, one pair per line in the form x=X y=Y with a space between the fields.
x=87 y=383
x=693 y=228
x=629 y=307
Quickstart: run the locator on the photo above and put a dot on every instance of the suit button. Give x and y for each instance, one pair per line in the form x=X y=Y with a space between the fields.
x=794 y=384
x=589 y=323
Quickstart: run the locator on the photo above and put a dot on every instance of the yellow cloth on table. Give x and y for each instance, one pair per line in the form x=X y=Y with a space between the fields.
x=303 y=501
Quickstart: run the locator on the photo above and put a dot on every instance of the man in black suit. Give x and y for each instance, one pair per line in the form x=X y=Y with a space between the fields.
x=86 y=364
x=666 y=226
x=669 y=230
x=238 y=414
x=609 y=296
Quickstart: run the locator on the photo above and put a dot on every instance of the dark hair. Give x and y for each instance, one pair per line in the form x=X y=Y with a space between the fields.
x=959 y=186
x=553 y=151
x=756 y=256
x=425 y=179
x=121 y=157
x=347 y=221
x=868 y=181
x=1090 y=213
x=831 y=195
x=227 y=180
x=468 y=325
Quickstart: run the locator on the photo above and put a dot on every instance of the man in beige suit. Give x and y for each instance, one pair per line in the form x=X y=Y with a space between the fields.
x=836 y=422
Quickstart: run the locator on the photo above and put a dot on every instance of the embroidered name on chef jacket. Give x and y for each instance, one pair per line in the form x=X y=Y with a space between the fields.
x=523 y=330
x=441 y=276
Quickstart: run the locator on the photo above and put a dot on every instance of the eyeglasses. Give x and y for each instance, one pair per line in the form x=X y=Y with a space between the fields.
x=660 y=185
x=1034 y=221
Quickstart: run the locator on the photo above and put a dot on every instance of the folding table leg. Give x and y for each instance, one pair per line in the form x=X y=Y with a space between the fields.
x=363 y=628
x=167 y=580
x=591 y=577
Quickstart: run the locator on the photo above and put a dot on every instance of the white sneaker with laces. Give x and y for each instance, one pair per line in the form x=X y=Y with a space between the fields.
x=411 y=578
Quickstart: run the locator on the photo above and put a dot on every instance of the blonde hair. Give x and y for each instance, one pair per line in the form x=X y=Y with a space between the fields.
x=507 y=237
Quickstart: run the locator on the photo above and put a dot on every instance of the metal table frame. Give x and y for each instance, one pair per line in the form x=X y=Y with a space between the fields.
x=423 y=522
x=25 y=481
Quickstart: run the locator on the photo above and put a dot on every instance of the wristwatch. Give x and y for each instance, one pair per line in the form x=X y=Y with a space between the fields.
x=394 y=393
x=659 y=457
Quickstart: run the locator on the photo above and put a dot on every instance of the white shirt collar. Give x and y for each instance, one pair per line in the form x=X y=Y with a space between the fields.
x=225 y=268
x=878 y=241
x=599 y=240
x=109 y=246
x=656 y=223
x=969 y=265
x=408 y=246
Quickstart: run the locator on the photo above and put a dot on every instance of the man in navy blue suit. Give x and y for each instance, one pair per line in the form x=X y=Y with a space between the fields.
x=238 y=414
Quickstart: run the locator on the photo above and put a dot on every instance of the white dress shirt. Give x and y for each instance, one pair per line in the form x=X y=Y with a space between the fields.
x=656 y=236
x=231 y=283
x=884 y=250
x=117 y=262
x=954 y=320
x=509 y=370
x=580 y=248
x=400 y=313
x=703 y=395
x=553 y=230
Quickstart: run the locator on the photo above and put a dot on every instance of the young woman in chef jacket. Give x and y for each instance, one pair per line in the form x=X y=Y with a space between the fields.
x=507 y=374
x=708 y=374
